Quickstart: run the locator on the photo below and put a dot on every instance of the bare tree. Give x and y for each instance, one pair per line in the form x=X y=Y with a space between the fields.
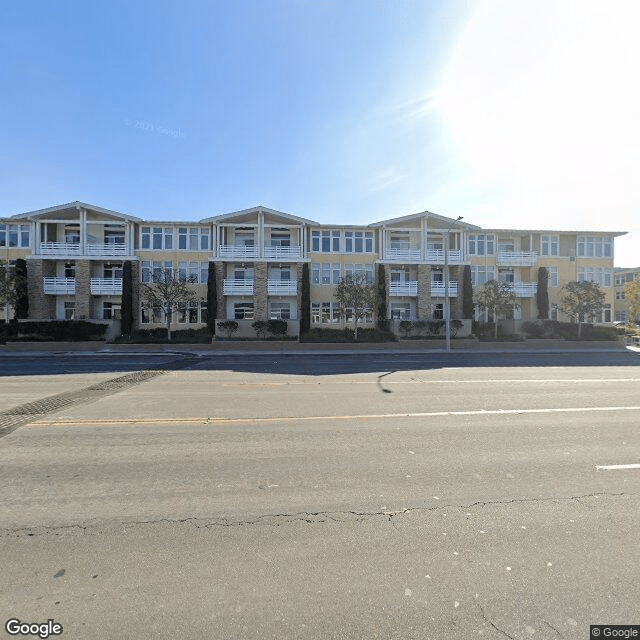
x=168 y=292
x=581 y=301
x=354 y=293
x=498 y=297
x=12 y=287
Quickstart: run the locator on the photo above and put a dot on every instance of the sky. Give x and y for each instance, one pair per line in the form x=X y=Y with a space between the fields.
x=512 y=114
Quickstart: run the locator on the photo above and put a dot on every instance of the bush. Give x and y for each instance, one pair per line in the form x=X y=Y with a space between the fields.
x=229 y=327
x=61 y=330
x=534 y=329
x=277 y=327
x=260 y=327
x=406 y=326
x=317 y=334
x=159 y=336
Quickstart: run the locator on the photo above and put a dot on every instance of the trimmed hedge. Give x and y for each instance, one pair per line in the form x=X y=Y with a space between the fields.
x=61 y=330
x=317 y=334
x=159 y=336
x=567 y=330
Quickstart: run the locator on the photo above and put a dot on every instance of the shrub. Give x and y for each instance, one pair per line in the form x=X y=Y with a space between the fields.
x=159 y=336
x=126 y=311
x=260 y=327
x=229 y=327
x=534 y=329
x=67 y=330
x=277 y=327
x=406 y=327
x=317 y=334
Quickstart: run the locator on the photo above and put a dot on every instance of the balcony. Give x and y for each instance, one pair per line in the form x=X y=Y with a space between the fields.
x=106 y=250
x=283 y=253
x=59 y=285
x=242 y=252
x=60 y=248
x=436 y=256
x=106 y=286
x=403 y=255
x=525 y=289
x=234 y=287
x=516 y=258
x=408 y=288
x=282 y=287
x=437 y=289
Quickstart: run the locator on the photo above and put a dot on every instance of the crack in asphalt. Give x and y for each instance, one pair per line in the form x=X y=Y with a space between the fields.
x=309 y=517
x=491 y=623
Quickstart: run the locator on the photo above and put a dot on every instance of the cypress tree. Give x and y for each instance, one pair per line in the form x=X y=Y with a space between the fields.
x=467 y=293
x=22 y=292
x=542 y=294
x=383 y=322
x=212 y=298
x=126 y=305
x=305 y=300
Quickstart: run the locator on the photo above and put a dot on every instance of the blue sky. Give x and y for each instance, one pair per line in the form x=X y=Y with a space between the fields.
x=512 y=114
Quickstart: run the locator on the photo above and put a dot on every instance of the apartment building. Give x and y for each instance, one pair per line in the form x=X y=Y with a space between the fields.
x=75 y=252
x=621 y=306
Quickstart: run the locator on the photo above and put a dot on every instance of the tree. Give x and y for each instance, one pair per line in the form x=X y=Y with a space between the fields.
x=542 y=293
x=467 y=293
x=167 y=292
x=212 y=298
x=581 y=300
x=305 y=300
x=354 y=293
x=229 y=327
x=498 y=297
x=126 y=305
x=383 y=322
x=632 y=296
x=13 y=288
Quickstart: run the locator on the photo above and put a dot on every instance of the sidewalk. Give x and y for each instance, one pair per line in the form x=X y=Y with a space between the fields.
x=226 y=348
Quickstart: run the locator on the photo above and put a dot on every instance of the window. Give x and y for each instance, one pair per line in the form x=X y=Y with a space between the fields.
x=204 y=272
x=621 y=316
x=549 y=245
x=280 y=311
x=401 y=311
x=145 y=271
x=326 y=273
x=17 y=234
x=599 y=275
x=70 y=270
x=244 y=237
x=438 y=311
x=151 y=315
x=619 y=295
x=335 y=273
x=358 y=241
x=399 y=240
x=110 y=310
x=595 y=247
x=188 y=313
x=481 y=244
x=280 y=238
x=506 y=275
x=156 y=238
x=241 y=272
x=481 y=274
x=112 y=270
x=325 y=241
x=69 y=309
x=553 y=276
x=315 y=273
x=400 y=275
x=243 y=310
x=325 y=312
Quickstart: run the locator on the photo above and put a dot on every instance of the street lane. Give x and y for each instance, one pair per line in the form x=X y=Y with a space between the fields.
x=392 y=503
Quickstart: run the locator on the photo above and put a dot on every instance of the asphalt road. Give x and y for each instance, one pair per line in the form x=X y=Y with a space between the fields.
x=324 y=497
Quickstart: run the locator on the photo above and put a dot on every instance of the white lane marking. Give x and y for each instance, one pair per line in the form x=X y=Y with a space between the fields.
x=427 y=381
x=374 y=416
x=617 y=466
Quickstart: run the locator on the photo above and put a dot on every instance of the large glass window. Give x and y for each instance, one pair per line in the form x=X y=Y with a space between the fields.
x=243 y=310
x=595 y=247
x=280 y=311
x=481 y=244
x=549 y=245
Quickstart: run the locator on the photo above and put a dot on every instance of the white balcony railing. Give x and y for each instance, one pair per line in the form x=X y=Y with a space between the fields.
x=283 y=253
x=234 y=287
x=517 y=258
x=240 y=251
x=436 y=256
x=106 y=286
x=525 y=289
x=59 y=285
x=59 y=248
x=106 y=250
x=282 y=287
x=402 y=254
x=438 y=288
x=408 y=288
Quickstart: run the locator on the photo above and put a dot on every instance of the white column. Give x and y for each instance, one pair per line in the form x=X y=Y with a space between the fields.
x=261 y=233
x=83 y=230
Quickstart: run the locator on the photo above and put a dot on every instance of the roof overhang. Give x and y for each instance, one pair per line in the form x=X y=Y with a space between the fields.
x=73 y=206
x=245 y=213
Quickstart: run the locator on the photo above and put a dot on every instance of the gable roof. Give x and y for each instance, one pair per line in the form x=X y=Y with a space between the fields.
x=449 y=222
x=259 y=209
x=74 y=205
